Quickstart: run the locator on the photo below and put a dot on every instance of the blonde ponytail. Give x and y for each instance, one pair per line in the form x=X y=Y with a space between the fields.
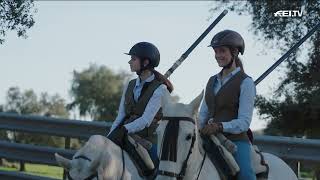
x=239 y=63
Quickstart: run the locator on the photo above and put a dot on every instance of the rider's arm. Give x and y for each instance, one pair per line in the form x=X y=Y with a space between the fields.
x=149 y=113
x=121 y=111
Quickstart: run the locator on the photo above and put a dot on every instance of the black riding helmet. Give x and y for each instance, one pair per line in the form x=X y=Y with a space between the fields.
x=228 y=38
x=146 y=50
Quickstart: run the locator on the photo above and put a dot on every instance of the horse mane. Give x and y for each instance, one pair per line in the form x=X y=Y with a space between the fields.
x=169 y=152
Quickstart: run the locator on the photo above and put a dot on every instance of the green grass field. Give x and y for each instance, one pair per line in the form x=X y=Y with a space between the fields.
x=40 y=170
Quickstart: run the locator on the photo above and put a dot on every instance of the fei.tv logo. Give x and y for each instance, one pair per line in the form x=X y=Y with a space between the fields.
x=288 y=13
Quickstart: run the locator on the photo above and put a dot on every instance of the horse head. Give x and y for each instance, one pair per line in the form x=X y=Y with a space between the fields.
x=176 y=137
x=84 y=164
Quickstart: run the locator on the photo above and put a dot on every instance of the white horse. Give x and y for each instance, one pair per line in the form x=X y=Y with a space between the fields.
x=101 y=159
x=198 y=167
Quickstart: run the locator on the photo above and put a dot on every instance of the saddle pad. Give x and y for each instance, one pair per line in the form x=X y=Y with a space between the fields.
x=142 y=152
x=216 y=154
x=229 y=166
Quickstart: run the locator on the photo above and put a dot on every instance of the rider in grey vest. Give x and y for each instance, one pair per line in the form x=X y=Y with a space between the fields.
x=229 y=99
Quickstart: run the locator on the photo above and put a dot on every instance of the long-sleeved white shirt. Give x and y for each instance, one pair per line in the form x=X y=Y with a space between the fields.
x=151 y=109
x=246 y=105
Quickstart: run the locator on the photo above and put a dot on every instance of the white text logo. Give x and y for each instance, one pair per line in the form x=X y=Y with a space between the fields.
x=288 y=13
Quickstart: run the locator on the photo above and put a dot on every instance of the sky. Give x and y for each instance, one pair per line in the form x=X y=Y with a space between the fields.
x=71 y=35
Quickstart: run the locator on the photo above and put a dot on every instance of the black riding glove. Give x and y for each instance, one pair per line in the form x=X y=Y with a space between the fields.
x=118 y=136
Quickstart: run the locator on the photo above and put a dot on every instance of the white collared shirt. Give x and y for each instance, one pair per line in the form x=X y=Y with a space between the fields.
x=246 y=104
x=150 y=111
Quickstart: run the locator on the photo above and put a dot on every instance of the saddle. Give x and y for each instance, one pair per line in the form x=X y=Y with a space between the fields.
x=220 y=152
x=140 y=156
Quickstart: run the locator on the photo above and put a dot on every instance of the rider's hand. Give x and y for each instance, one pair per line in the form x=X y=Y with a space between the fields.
x=212 y=128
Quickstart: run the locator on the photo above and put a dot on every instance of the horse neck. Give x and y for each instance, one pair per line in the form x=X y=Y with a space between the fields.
x=117 y=158
x=112 y=157
x=195 y=159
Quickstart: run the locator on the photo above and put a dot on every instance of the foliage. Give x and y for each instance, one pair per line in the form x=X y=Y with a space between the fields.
x=97 y=91
x=16 y=15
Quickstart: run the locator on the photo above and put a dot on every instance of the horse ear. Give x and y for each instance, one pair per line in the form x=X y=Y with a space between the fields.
x=62 y=161
x=196 y=102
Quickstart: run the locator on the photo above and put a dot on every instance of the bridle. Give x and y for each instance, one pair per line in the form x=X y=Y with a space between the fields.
x=185 y=162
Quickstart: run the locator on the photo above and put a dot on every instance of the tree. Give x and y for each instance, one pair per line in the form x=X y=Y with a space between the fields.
x=53 y=106
x=16 y=15
x=22 y=102
x=96 y=91
x=294 y=110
